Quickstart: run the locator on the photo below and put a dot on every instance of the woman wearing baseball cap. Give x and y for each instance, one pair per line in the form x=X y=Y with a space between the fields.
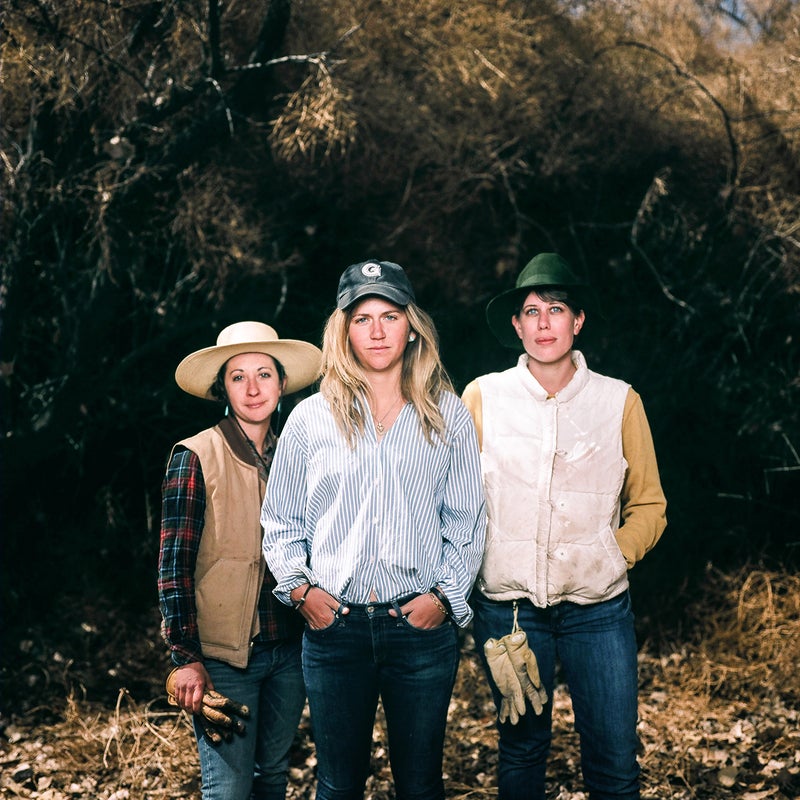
x=573 y=502
x=234 y=648
x=373 y=527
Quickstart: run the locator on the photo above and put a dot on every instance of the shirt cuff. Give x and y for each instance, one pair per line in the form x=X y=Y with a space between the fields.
x=181 y=656
x=460 y=612
x=285 y=588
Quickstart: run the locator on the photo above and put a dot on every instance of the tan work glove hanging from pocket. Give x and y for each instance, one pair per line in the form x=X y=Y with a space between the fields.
x=516 y=673
x=505 y=676
x=527 y=670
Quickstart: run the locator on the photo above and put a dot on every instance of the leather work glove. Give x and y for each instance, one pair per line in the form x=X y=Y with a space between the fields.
x=218 y=714
x=513 y=702
x=527 y=670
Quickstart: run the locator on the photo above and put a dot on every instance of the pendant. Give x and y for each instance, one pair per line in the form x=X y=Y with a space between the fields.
x=379 y=427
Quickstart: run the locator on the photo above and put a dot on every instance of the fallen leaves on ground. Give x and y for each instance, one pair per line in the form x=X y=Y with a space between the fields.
x=718 y=719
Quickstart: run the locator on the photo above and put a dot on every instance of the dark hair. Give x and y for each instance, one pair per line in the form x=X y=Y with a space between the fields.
x=552 y=294
x=218 y=387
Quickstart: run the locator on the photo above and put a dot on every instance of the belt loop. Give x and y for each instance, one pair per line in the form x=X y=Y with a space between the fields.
x=396 y=606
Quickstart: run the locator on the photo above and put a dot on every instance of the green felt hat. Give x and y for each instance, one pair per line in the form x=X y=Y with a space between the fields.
x=548 y=270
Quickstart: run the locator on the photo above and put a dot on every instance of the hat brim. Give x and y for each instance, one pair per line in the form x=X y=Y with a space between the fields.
x=301 y=360
x=390 y=293
x=501 y=309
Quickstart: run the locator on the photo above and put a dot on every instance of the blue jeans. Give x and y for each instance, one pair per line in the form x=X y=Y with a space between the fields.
x=256 y=764
x=364 y=655
x=596 y=647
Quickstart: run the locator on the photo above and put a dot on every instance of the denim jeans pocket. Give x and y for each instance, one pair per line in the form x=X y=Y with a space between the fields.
x=444 y=625
x=337 y=622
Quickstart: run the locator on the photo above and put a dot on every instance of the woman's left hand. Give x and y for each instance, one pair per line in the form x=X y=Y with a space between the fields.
x=422 y=612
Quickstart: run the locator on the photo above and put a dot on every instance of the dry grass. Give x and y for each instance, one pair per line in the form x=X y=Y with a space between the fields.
x=750 y=642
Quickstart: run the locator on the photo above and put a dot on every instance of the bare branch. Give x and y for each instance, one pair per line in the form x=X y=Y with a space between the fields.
x=733 y=176
x=657 y=189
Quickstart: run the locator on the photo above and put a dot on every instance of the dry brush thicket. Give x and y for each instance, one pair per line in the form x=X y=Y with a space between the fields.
x=167 y=168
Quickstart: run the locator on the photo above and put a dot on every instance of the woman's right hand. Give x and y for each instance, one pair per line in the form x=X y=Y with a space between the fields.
x=318 y=608
x=189 y=683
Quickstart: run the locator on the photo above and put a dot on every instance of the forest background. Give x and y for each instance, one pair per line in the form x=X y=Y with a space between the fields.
x=171 y=167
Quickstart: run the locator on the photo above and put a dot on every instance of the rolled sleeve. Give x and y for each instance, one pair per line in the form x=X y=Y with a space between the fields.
x=283 y=515
x=463 y=516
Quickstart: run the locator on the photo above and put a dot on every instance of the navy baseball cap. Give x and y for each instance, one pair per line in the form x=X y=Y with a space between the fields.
x=382 y=278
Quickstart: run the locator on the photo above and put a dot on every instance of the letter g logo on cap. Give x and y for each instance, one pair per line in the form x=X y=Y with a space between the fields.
x=371 y=270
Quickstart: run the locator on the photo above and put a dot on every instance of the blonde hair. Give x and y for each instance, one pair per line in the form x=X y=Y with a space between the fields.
x=344 y=384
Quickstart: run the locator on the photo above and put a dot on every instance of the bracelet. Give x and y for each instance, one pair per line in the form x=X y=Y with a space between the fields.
x=437 y=592
x=437 y=603
x=298 y=603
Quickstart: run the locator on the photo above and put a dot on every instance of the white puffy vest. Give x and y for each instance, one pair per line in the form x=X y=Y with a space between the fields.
x=553 y=471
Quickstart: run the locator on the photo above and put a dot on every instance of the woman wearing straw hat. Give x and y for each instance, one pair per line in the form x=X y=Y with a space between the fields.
x=235 y=650
x=573 y=500
x=373 y=527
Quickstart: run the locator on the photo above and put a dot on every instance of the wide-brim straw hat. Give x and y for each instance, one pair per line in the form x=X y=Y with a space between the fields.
x=198 y=371
x=548 y=270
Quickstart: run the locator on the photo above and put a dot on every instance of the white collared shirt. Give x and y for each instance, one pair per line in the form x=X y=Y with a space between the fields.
x=393 y=518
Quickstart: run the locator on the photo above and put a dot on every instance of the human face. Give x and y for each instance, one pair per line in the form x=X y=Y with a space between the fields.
x=547 y=328
x=253 y=387
x=378 y=333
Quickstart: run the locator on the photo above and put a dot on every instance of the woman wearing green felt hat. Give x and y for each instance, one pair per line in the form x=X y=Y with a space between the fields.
x=573 y=501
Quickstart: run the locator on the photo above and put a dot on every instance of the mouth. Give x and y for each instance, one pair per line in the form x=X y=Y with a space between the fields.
x=543 y=340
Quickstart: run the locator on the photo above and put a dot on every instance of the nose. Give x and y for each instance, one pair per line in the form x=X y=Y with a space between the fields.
x=252 y=387
x=544 y=322
x=376 y=331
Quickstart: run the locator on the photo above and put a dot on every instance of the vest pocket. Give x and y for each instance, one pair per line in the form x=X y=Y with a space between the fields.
x=224 y=616
x=586 y=569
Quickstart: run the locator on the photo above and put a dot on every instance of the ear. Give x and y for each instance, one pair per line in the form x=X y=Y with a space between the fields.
x=283 y=386
x=517 y=326
x=578 y=323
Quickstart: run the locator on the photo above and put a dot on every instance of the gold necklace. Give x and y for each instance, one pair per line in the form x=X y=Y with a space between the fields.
x=379 y=426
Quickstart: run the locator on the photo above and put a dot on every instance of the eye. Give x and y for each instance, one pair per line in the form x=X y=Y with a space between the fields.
x=358 y=320
x=556 y=309
x=266 y=374
x=236 y=377
x=391 y=317
x=530 y=312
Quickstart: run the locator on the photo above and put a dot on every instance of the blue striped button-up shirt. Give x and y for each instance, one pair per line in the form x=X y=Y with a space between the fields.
x=393 y=518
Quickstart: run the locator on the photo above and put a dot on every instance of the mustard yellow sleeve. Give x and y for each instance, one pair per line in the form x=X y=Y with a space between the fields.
x=474 y=403
x=643 y=505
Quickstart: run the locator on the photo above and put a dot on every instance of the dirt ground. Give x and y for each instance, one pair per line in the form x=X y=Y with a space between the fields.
x=718 y=713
